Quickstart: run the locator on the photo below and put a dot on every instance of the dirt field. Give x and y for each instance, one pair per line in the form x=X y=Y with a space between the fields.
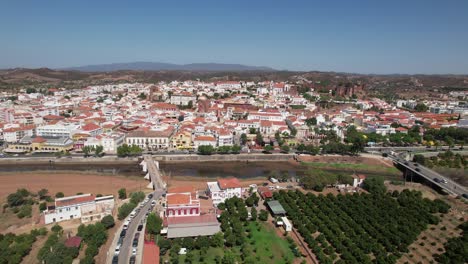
x=69 y=183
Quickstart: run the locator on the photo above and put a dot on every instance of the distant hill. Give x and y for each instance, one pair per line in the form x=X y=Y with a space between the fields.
x=161 y=66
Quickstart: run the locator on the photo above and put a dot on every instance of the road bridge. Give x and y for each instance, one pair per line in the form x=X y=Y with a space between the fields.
x=153 y=174
x=444 y=183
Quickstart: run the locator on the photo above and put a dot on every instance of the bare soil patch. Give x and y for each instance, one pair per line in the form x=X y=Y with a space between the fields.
x=69 y=183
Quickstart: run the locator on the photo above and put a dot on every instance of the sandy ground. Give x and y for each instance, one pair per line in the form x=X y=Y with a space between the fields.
x=69 y=183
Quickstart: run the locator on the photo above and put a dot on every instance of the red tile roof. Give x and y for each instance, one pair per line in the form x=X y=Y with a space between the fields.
x=75 y=200
x=229 y=183
x=178 y=198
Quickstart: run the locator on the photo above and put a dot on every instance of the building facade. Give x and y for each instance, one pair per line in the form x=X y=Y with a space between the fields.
x=224 y=189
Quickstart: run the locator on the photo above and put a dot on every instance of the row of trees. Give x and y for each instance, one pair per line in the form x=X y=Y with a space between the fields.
x=456 y=249
x=352 y=228
x=54 y=249
x=129 y=151
x=13 y=248
x=127 y=208
x=94 y=235
x=21 y=201
x=317 y=179
x=446 y=160
x=208 y=149
x=92 y=150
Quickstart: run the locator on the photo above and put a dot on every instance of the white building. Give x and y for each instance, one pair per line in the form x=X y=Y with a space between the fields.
x=183 y=98
x=224 y=189
x=204 y=141
x=16 y=133
x=56 y=130
x=225 y=138
x=86 y=207
x=109 y=142
x=151 y=140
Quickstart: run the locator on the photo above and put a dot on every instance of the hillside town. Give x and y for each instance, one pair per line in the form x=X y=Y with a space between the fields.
x=182 y=116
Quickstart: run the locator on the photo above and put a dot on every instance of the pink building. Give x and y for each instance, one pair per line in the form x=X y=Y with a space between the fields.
x=182 y=201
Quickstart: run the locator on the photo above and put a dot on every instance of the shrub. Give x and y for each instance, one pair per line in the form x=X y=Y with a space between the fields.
x=108 y=221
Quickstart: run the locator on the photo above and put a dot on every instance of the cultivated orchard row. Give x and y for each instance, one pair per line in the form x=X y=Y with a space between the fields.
x=360 y=228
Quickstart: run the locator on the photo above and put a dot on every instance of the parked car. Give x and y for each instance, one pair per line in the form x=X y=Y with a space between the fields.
x=123 y=233
x=134 y=250
x=139 y=228
x=115 y=260
x=135 y=243
x=132 y=260
x=465 y=195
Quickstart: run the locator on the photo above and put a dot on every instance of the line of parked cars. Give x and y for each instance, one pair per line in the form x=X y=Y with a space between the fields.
x=140 y=226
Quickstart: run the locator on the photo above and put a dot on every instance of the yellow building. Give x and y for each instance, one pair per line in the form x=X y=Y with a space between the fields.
x=40 y=144
x=182 y=140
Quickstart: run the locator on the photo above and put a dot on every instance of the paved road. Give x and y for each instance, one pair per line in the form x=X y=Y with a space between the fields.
x=430 y=175
x=126 y=247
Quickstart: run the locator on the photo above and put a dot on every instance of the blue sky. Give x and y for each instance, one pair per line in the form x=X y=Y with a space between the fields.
x=412 y=36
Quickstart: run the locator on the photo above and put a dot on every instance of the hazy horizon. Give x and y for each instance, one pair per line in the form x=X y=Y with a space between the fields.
x=367 y=37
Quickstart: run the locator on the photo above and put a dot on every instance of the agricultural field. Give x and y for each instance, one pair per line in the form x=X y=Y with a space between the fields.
x=361 y=228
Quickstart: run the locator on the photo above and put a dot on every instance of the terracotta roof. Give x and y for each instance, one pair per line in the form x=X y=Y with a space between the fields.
x=205 y=138
x=76 y=200
x=178 y=198
x=229 y=183
x=90 y=127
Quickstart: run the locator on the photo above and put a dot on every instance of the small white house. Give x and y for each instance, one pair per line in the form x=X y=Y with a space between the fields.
x=286 y=224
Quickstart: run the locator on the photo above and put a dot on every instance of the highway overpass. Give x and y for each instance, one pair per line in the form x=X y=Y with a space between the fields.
x=431 y=176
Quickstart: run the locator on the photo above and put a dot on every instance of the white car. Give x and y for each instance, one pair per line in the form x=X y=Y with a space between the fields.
x=134 y=250
x=117 y=250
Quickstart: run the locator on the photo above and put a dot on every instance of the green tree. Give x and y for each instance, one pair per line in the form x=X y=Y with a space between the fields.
x=285 y=148
x=263 y=216
x=98 y=151
x=235 y=149
x=252 y=130
x=153 y=224
x=122 y=193
x=243 y=139
x=420 y=107
x=375 y=185
x=205 y=149
x=42 y=194
x=253 y=213
x=56 y=228
x=59 y=195
x=311 y=121
x=108 y=221
x=87 y=150
x=142 y=96
x=268 y=148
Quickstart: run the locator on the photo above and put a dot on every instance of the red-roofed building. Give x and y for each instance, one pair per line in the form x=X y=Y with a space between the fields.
x=204 y=141
x=182 y=201
x=86 y=207
x=224 y=189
